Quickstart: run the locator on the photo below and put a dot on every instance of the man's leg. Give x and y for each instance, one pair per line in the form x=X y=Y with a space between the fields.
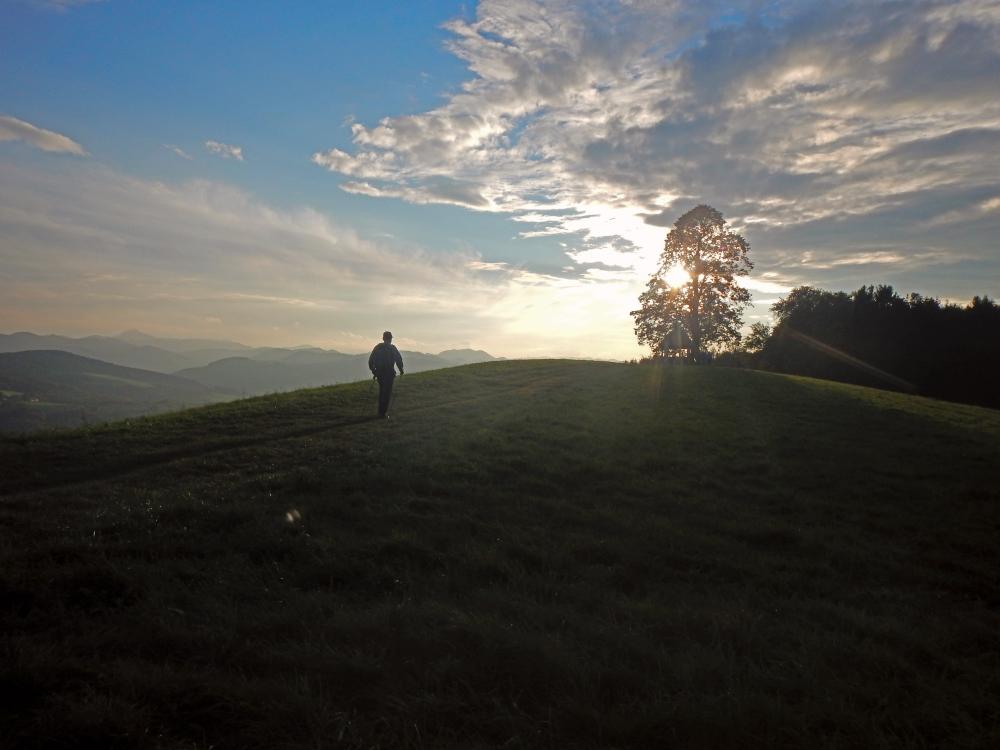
x=384 y=394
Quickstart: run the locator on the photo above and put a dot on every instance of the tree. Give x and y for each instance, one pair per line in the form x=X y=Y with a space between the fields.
x=757 y=339
x=876 y=337
x=693 y=302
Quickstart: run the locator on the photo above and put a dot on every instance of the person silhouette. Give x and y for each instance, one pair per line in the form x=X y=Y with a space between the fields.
x=382 y=362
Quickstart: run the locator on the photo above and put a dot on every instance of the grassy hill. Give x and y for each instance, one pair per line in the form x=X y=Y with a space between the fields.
x=529 y=554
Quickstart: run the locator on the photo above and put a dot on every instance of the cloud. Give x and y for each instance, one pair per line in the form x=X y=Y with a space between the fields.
x=225 y=150
x=177 y=150
x=13 y=129
x=969 y=212
x=814 y=126
x=87 y=249
x=436 y=190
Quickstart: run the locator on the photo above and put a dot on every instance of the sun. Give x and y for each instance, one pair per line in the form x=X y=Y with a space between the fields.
x=676 y=276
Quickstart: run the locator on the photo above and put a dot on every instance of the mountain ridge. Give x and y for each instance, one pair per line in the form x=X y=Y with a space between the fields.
x=220 y=373
x=165 y=355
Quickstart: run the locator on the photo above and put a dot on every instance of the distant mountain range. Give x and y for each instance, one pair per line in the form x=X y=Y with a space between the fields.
x=179 y=345
x=308 y=368
x=60 y=381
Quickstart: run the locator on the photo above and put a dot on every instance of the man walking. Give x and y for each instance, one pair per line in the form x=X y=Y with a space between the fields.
x=383 y=362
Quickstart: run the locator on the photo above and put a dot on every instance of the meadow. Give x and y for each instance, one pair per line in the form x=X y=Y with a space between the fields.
x=539 y=554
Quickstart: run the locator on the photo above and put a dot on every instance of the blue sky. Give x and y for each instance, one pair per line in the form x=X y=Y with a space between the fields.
x=127 y=77
x=498 y=174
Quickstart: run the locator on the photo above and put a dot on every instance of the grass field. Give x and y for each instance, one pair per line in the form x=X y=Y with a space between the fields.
x=529 y=554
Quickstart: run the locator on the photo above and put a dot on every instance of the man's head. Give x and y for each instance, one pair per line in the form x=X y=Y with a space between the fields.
x=387 y=337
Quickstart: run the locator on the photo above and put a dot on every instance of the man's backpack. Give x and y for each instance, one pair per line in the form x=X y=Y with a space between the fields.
x=383 y=359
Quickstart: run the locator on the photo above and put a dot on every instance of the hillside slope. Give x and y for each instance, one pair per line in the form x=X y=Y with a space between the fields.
x=529 y=554
x=58 y=389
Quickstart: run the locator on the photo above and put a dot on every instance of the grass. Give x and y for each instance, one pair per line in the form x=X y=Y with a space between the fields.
x=530 y=554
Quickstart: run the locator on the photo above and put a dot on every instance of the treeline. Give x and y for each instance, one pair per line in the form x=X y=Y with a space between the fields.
x=876 y=337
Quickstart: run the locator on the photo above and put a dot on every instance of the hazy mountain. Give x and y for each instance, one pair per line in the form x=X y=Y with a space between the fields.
x=58 y=389
x=229 y=365
x=136 y=349
x=251 y=377
x=277 y=354
x=104 y=348
x=466 y=356
x=181 y=346
x=267 y=371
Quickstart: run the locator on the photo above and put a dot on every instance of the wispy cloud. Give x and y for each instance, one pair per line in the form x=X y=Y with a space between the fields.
x=225 y=150
x=177 y=150
x=13 y=129
x=90 y=245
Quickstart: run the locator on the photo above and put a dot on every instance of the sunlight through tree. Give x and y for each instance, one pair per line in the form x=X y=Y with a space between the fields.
x=693 y=303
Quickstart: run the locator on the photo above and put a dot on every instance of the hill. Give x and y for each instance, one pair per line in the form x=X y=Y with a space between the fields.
x=142 y=356
x=271 y=370
x=180 y=345
x=59 y=389
x=228 y=366
x=530 y=554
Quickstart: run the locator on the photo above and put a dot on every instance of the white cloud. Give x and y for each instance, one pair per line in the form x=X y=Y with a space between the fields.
x=13 y=129
x=765 y=286
x=606 y=255
x=831 y=125
x=225 y=150
x=865 y=259
x=177 y=150
x=912 y=260
x=966 y=213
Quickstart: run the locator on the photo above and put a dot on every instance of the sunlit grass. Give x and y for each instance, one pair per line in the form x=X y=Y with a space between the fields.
x=531 y=554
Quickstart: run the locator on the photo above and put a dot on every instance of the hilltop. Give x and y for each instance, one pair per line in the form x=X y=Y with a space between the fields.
x=530 y=554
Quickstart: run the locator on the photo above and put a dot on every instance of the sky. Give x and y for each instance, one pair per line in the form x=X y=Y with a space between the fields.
x=493 y=175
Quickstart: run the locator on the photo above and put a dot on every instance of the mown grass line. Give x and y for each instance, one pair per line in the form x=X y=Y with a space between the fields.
x=537 y=554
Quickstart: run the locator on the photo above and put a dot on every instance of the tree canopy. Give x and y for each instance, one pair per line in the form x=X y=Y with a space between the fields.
x=693 y=303
x=876 y=337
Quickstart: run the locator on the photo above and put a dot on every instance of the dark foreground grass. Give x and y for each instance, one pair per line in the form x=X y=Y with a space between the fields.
x=531 y=554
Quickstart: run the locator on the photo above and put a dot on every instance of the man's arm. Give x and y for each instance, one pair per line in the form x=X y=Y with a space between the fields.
x=399 y=359
x=371 y=361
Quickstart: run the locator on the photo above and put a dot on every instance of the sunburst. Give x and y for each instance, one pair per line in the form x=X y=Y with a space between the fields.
x=677 y=276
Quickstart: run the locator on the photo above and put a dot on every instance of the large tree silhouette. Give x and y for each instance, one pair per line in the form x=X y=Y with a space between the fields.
x=701 y=307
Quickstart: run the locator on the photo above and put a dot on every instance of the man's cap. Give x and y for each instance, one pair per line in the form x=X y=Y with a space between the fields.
x=386 y=334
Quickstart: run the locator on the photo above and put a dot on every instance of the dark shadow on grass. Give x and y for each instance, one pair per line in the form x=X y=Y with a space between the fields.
x=98 y=470
x=137 y=463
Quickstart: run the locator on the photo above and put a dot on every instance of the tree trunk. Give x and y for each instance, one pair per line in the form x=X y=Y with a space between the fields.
x=695 y=326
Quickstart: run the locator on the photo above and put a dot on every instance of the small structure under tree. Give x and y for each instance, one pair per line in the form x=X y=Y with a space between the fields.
x=693 y=302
